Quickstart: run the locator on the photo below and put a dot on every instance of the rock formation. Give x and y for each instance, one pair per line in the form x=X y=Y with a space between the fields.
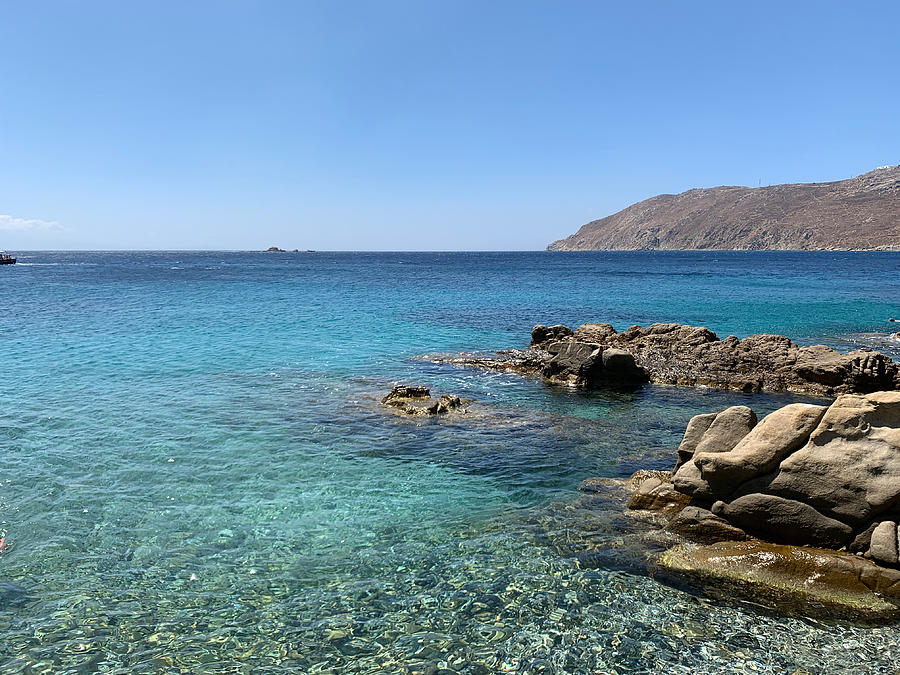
x=859 y=213
x=595 y=355
x=417 y=400
x=803 y=476
x=794 y=579
x=806 y=474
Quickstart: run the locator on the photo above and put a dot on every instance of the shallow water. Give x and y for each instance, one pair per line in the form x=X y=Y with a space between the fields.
x=198 y=478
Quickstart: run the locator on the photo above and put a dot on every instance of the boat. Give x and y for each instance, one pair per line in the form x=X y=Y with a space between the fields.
x=6 y=259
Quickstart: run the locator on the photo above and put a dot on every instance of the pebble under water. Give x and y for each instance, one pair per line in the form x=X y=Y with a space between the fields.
x=198 y=478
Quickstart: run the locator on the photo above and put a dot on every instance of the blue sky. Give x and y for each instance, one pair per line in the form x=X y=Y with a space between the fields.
x=414 y=125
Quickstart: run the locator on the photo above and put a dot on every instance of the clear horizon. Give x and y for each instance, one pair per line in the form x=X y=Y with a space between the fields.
x=406 y=127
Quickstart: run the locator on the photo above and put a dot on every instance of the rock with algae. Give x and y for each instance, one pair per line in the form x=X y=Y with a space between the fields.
x=417 y=400
x=795 y=579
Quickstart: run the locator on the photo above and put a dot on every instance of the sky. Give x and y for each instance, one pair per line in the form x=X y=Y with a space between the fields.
x=419 y=125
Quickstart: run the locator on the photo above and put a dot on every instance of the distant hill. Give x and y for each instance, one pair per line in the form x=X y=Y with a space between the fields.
x=860 y=213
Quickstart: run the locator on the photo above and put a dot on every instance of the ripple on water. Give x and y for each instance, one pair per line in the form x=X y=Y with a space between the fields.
x=193 y=484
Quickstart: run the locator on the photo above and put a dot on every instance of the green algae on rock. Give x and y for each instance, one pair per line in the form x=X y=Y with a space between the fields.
x=792 y=578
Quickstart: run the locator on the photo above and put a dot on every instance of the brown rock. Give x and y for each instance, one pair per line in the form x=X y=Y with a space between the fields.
x=704 y=526
x=542 y=335
x=798 y=579
x=850 y=468
x=692 y=437
x=671 y=353
x=574 y=363
x=588 y=365
x=417 y=400
x=638 y=477
x=761 y=451
x=862 y=540
x=784 y=521
x=883 y=545
x=724 y=433
x=656 y=495
x=594 y=332
x=403 y=391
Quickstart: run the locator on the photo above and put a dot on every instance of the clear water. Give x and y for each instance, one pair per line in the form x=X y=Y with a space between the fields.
x=197 y=476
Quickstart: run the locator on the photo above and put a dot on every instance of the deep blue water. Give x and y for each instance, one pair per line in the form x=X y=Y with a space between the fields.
x=197 y=476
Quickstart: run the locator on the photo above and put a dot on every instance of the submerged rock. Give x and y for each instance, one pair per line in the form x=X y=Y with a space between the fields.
x=702 y=525
x=527 y=362
x=655 y=494
x=417 y=400
x=795 y=579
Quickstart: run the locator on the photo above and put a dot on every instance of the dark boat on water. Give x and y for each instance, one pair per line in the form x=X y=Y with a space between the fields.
x=6 y=259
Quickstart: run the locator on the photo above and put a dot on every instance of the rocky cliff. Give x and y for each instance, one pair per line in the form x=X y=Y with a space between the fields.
x=860 y=213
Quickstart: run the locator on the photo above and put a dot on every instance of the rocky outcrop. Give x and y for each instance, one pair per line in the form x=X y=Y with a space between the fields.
x=588 y=365
x=690 y=355
x=595 y=355
x=858 y=213
x=805 y=474
x=417 y=400
x=542 y=336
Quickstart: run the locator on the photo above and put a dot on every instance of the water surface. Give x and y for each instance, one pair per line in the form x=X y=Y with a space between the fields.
x=197 y=476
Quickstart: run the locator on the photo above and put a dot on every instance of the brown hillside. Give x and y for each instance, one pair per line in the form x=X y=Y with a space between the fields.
x=859 y=213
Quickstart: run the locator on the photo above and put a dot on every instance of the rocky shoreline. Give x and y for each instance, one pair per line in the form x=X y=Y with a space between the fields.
x=805 y=503
x=800 y=508
x=596 y=355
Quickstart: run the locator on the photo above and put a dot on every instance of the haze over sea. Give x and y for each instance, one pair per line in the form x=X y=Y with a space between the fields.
x=198 y=476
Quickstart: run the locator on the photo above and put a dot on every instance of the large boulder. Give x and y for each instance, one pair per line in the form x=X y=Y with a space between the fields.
x=542 y=335
x=761 y=450
x=594 y=332
x=850 y=467
x=883 y=545
x=784 y=521
x=588 y=365
x=696 y=428
x=574 y=363
x=620 y=369
x=796 y=579
x=722 y=434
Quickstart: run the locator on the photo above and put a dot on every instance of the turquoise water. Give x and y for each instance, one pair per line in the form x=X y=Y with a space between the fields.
x=197 y=476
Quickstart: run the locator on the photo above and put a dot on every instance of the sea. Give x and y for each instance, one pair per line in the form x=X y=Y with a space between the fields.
x=198 y=476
